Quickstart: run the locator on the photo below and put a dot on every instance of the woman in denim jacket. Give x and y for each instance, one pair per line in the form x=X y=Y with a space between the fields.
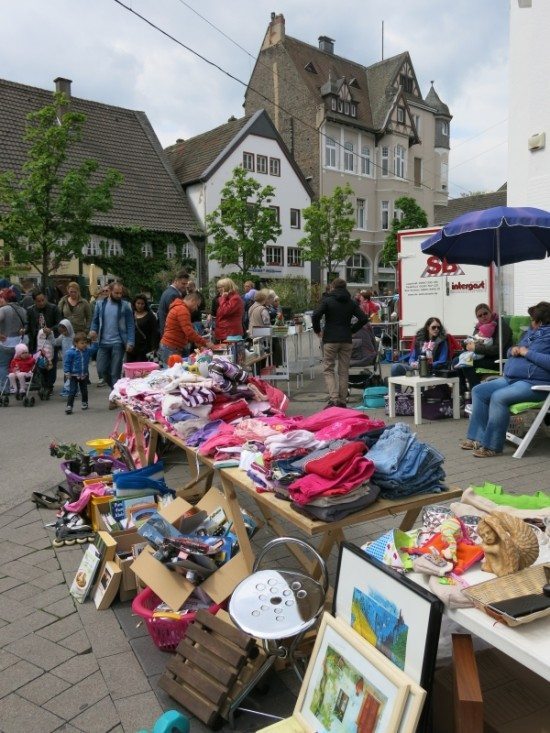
x=528 y=364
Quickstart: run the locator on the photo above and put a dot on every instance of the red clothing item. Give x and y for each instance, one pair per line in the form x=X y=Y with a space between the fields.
x=178 y=329
x=369 y=307
x=331 y=465
x=308 y=487
x=229 y=316
x=24 y=366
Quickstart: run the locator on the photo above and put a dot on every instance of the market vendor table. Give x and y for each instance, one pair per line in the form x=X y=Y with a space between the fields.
x=276 y=511
x=418 y=383
x=528 y=644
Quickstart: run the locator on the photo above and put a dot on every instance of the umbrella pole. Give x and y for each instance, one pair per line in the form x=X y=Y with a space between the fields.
x=499 y=304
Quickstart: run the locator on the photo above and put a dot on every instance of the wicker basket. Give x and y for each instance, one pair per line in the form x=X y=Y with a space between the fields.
x=530 y=580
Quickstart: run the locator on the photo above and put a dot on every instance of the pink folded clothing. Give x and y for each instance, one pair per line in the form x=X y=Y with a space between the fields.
x=223 y=437
x=349 y=427
x=98 y=489
x=358 y=471
x=332 y=464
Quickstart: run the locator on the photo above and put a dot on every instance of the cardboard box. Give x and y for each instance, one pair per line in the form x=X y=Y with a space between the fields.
x=515 y=700
x=173 y=588
x=128 y=581
x=107 y=586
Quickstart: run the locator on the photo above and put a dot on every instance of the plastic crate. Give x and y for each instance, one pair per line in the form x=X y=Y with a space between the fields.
x=134 y=369
x=165 y=632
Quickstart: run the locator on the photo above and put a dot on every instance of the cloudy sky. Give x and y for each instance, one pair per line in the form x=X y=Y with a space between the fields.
x=114 y=57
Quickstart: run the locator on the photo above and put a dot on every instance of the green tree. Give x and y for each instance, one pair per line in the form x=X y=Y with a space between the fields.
x=328 y=223
x=46 y=207
x=414 y=217
x=242 y=224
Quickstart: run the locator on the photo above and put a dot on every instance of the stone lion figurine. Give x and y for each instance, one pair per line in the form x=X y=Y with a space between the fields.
x=508 y=542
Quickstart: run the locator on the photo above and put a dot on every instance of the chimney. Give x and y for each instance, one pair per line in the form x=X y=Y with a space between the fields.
x=63 y=85
x=326 y=44
x=275 y=31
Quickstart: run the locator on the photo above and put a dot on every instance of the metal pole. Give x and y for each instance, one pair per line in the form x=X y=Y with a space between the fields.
x=499 y=302
x=382 y=40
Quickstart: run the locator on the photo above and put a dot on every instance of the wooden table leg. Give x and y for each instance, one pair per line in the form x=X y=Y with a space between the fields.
x=238 y=524
x=152 y=447
x=409 y=519
x=138 y=435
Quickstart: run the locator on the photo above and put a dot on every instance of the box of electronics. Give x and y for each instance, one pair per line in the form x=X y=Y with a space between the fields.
x=116 y=514
x=191 y=546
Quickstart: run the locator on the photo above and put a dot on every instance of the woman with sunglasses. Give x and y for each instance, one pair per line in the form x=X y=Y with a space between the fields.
x=527 y=364
x=486 y=353
x=431 y=341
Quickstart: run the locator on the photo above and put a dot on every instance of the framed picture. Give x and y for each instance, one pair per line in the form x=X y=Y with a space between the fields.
x=350 y=686
x=398 y=617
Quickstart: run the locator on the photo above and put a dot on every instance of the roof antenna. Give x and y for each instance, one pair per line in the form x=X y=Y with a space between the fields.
x=382 y=40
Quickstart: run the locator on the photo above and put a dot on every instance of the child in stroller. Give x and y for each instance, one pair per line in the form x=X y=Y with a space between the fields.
x=20 y=370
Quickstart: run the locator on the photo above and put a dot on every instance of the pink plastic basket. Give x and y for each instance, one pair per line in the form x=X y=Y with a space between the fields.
x=165 y=632
x=134 y=369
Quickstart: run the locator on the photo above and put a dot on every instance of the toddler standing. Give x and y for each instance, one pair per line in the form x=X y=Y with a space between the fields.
x=75 y=367
x=20 y=368
x=65 y=341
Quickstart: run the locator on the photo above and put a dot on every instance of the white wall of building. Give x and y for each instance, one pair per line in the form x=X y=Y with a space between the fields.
x=289 y=193
x=529 y=114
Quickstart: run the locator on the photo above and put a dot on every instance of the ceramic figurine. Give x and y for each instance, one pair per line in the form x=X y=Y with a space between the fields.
x=508 y=542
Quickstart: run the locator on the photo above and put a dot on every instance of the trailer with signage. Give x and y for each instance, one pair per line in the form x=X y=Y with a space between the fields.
x=429 y=287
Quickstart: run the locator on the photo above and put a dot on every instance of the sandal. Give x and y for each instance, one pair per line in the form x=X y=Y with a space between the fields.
x=43 y=500
x=470 y=444
x=483 y=452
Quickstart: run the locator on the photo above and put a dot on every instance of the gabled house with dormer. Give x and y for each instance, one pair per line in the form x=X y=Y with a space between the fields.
x=369 y=126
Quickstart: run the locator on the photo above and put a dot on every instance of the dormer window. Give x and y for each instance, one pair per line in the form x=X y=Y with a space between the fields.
x=333 y=104
x=311 y=68
x=340 y=106
x=401 y=114
x=353 y=109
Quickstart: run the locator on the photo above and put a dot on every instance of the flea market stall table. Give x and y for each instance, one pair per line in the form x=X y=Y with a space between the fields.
x=277 y=511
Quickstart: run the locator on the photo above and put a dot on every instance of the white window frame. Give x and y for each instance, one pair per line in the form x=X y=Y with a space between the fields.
x=146 y=250
x=277 y=210
x=248 y=161
x=261 y=164
x=366 y=162
x=114 y=248
x=353 y=108
x=274 y=256
x=333 y=104
x=348 y=157
x=331 y=160
x=360 y=213
x=401 y=114
x=275 y=167
x=294 y=257
x=417 y=123
x=171 y=251
x=188 y=251
x=444 y=128
x=295 y=218
x=385 y=161
x=384 y=215
x=399 y=161
x=359 y=261
x=92 y=249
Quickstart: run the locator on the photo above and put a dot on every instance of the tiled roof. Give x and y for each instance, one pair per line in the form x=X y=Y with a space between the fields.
x=191 y=158
x=330 y=65
x=381 y=77
x=477 y=202
x=432 y=98
x=150 y=196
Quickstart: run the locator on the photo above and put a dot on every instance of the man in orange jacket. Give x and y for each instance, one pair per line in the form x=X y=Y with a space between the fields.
x=178 y=329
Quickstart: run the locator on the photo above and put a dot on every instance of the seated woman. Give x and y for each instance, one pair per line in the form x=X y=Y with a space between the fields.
x=431 y=341
x=489 y=352
x=528 y=364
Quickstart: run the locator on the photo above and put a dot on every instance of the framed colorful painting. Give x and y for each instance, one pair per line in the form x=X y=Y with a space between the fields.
x=399 y=618
x=349 y=686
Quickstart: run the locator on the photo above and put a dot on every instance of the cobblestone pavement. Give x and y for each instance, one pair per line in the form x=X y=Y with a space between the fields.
x=67 y=667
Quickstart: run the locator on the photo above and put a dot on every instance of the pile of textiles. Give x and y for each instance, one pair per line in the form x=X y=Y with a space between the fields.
x=404 y=466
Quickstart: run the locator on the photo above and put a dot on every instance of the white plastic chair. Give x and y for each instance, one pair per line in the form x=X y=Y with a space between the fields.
x=523 y=443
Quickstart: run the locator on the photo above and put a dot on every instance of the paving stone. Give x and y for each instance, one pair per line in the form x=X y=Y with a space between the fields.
x=17 y=676
x=23 y=536
x=62 y=608
x=22 y=627
x=41 y=543
x=40 y=651
x=50 y=565
x=48 y=580
x=106 y=636
x=78 y=642
x=19 y=715
x=131 y=624
x=77 y=668
x=69 y=558
x=21 y=570
x=43 y=688
x=67 y=728
x=152 y=660
x=138 y=711
x=6 y=583
x=123 y=675
x=27 y=520
x=38 y=557
x=100 y=718
x=43 y=598
x=61 y=630
x=7 y=659
x=78 y=697
x=22 y=592
x=10 y=551
x=20 y=510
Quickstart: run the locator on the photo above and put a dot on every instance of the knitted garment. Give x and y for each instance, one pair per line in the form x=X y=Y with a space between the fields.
x=358 y=471
x=278 y=443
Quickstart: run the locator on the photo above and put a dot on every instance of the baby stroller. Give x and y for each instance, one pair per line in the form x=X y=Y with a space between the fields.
x=24 y=394
x=365 y=355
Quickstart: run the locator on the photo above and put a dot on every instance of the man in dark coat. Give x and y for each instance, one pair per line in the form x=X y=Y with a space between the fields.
x=339 y=310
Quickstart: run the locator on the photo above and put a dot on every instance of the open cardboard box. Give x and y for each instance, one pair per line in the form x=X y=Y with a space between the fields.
x=128 y=582
x=173 y=588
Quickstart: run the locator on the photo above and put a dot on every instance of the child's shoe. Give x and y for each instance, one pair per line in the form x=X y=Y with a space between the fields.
x=84 y=406
x=68 y=410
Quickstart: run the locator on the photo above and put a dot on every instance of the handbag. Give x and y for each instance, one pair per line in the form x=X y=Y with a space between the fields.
x=437 y=402
x=404 y=404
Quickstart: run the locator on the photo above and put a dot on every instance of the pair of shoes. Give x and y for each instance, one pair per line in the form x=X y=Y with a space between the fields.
x=13 y=390
x=46 y=501
x=101 y=383
x=470 y=444
x=68 y=410
x=483 y=452
x=67 y=535
x=84 y=406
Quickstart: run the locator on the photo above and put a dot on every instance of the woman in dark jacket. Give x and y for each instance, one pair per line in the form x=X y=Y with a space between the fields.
x=528 y=364
x=147 y=329
x=431 y=339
